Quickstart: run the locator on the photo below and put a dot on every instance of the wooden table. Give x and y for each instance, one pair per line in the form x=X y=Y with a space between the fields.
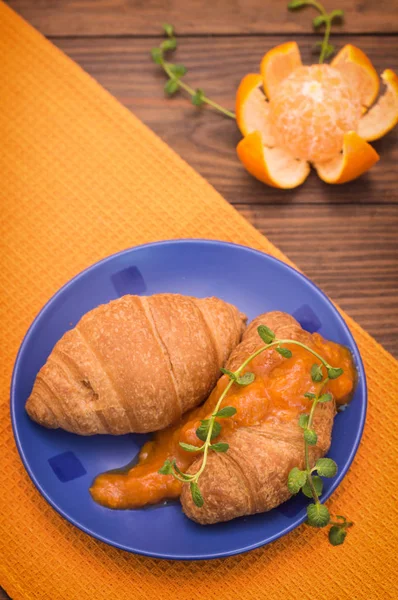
x=344 y=237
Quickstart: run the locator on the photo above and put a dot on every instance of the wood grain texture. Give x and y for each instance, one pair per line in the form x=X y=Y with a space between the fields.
x=206 y=139
x=142 y=17
x=349 y=251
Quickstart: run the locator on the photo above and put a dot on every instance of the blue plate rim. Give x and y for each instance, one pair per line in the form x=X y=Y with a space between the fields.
x=195 y=241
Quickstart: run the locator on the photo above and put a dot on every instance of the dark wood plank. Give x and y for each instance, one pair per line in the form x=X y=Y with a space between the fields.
x=115 y=17
x=206 y=139
x=4 y=595
x=351 y=252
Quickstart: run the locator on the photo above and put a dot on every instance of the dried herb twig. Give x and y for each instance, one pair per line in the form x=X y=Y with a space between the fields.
x=175 y=72
x=324 y=18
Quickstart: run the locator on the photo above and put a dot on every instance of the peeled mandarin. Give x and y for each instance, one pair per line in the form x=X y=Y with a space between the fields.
x=311 y=111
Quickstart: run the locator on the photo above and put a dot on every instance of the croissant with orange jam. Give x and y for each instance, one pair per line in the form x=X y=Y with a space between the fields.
x=264 y=438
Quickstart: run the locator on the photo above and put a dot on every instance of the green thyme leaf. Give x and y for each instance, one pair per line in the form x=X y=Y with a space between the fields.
x=246 y=379
x=168 y=29
x=198 y=98
x=230 y=374
x=220 y=447
x=178 y=70
x=196 y=495
x=337 y=535
x=318 y=485
x=310 y=437
x=319 y=20
x=296 y=479
x=170 y=44
x=190 y=448
x=226 y=411
x=325 y=398
x=326 y=467
x=285 y=352
x=334 y=373
x=296 y=4
x=171 y=87
x=309 y=395
x=185 y=476
x=318 y=515
x=316 y=372
x=167 y=468
x=216 y=429
x=157 y=55
x=329 y=50
x=303 y=421
x=336 y=14
x=266 y=334
x=203 y=430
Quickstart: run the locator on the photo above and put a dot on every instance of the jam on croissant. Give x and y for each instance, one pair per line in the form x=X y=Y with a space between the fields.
x=267 y=413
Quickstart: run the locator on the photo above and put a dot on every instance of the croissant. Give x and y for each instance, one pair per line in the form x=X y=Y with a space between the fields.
x=135 y=364
x=251 y=477
x=264 y=439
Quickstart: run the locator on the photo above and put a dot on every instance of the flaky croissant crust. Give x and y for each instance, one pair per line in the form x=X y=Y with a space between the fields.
x=252 y=476
x=135 y=364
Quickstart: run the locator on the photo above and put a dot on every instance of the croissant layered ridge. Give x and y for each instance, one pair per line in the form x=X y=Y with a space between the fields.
x=135 y=364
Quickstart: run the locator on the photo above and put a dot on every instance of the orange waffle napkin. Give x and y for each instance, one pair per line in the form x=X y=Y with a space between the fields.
x=82 y=178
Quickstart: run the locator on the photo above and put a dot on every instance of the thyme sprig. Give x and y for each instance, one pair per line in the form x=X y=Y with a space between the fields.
x=311 y=485
x=175 y=72
x=324 y=18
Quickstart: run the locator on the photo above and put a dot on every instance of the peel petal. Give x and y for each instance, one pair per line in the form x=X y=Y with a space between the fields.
x=252 y=108
x=274 y=166
x=358 y=157
x=383 y=116
x=277 y=64
x=359 y=71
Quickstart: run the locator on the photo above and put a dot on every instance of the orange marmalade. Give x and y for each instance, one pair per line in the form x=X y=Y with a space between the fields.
x=277 y=393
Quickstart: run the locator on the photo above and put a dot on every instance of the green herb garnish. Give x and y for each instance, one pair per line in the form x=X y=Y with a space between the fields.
x=312 y=485
x=325 y=48
x=304 y=480
x=175 y=73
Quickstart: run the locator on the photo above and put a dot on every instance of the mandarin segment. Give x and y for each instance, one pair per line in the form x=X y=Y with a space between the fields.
x=273 y=166
x=311 y=111
x=357 y=157
x=383 y=116
x=359 y=72
x=277 y=64
x=252 y=108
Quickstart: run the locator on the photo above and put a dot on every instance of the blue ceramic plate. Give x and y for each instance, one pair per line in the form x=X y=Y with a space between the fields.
x=63 y=465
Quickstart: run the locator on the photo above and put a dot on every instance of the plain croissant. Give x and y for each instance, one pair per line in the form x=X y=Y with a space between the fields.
x=252 y=476
x=135 y=364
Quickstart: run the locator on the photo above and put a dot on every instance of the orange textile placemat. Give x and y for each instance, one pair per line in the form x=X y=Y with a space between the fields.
x=82 y=178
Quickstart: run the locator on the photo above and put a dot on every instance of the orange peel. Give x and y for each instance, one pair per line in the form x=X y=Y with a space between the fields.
x=383 y=116
x=359 y=72
x=357 y=157
x=252 y=109
x=277 y=64
x=274 y=166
